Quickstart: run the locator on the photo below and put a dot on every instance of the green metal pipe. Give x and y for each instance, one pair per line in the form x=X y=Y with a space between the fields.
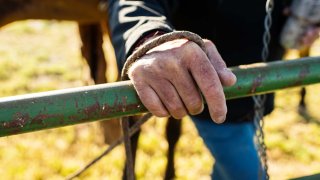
x=26 y=113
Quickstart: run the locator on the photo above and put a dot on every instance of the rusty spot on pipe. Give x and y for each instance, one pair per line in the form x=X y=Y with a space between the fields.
x=19 y=120
x=105 y=109
x=302 y=75
x=40 y=118
x=255 y=84
x=92 y=110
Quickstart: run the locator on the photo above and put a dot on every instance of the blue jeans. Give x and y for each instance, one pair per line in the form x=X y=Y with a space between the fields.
x=234 y=150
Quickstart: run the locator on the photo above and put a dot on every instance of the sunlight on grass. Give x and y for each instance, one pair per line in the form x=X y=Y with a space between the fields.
x=294 y=140
x=34 y=53
x=44 y=55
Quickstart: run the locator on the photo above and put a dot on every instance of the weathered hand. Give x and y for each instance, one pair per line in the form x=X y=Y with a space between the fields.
x=169 y=78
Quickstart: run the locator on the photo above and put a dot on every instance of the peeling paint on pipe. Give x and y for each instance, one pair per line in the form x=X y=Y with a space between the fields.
x=33 y=112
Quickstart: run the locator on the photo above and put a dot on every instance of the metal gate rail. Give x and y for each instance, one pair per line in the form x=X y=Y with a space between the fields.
x=33 y=112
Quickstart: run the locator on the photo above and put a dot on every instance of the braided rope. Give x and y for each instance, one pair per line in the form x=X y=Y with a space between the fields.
x=142 y=50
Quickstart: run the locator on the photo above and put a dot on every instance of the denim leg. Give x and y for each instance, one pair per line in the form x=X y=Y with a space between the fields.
x=233 y=148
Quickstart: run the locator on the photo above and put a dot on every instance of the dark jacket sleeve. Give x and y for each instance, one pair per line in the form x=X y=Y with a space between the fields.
x=130 y=21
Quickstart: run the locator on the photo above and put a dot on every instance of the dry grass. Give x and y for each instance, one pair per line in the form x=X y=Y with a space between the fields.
x=39 y=56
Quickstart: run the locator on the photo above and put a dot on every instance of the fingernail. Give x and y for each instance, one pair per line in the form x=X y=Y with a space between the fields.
x=230 y=72
x=220 y=119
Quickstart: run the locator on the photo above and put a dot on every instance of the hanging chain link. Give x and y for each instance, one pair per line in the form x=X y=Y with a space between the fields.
x=259 y=101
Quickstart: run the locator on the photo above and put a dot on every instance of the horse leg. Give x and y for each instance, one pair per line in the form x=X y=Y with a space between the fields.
x=173 y=131
x=92 y=40
x=92 y=50
x=302 y=109
x=302 y=102
x=134 y=145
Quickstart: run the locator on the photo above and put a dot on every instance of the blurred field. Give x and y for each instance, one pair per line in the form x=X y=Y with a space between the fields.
x=45 y=55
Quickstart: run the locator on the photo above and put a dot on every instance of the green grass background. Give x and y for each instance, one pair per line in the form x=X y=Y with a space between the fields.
x=45 y=55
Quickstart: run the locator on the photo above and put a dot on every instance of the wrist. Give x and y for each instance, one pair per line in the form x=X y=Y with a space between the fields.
x=151 y=35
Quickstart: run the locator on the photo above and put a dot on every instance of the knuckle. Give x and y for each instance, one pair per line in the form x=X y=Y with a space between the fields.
x=195 y=50
x=215 y=99
x=209 y=43
x=159 y=113
x=168 y=65
x=211 y=89
x=188 y=89
x=169 y=93
x=153 y=108
x=205 y=71
x=178 y=115
x=135 y=71
x=173 y=107
x=162 y=64
x=177 y=111
x=210 y=46
x=195 y=106
x=193 y=56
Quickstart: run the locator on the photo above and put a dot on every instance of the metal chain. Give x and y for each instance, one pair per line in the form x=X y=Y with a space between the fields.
x=259 y=101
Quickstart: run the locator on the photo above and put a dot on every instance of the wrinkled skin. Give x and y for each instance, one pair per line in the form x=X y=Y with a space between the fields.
x=170 y=79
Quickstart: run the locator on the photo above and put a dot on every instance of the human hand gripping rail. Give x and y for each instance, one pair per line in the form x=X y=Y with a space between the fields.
x=180 y=61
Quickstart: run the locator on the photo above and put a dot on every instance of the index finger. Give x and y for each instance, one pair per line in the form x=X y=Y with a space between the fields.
x=227 y=78
x=208 y=81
